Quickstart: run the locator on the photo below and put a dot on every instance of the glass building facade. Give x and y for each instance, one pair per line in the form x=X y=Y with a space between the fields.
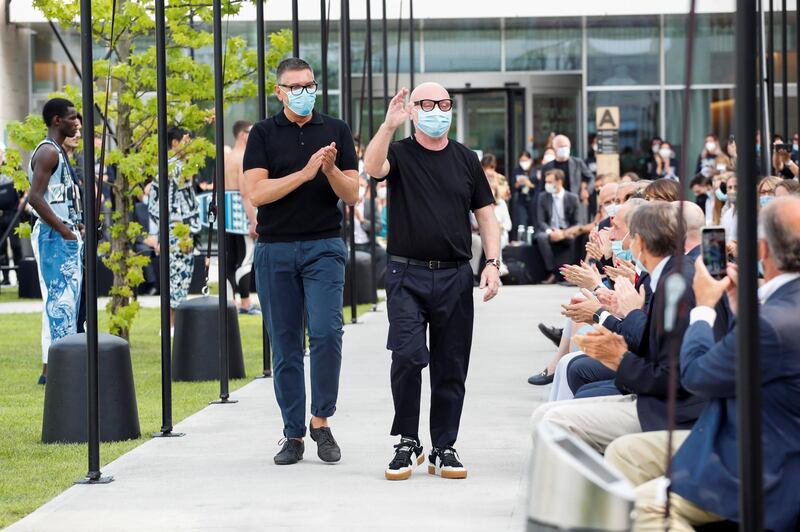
x=515 y=80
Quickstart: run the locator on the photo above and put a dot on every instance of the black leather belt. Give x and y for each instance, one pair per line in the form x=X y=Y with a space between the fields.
x=429 y=264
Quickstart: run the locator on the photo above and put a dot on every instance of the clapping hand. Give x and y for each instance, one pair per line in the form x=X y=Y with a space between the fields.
x=622 y=269
x=583 y=311
x=329 y=158
x=583 y=276
x=627 y=299
x=604 y=346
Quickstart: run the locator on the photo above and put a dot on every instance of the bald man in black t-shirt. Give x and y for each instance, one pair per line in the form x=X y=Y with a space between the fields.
x=434 y=182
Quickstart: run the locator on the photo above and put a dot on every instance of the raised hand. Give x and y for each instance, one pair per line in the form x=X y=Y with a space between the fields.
x=398 y=112
x=627 y=298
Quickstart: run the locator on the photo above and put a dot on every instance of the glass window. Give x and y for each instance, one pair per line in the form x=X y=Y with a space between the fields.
x=711 y=112
x=623 y=50
x=358 y=39
x=638 y=116
x=543 y=44
x=714 y=56
x=462 y=45
x=554 y=113
x=791 y=47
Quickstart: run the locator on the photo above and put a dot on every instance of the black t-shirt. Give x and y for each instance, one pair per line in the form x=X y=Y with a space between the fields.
x=564 y=167
x=282 y=148
x=430 y=196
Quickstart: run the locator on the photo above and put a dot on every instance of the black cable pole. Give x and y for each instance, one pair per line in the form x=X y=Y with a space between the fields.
x=323 y=30
x=399 y=41
x=163 y=226
x=295 y=30
x=219 y=133
x=93 y=476
x=765 y=161
x=785 y=72
x=411 y=46
x=347 y=115
x=77 y=70
x=748 y=363
x=266 y=350
x=385 y=64
x=771 y=72
x=372 y=188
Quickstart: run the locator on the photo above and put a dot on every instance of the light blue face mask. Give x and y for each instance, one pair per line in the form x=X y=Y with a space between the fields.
x=301 y=104
x=435 y=122
x=764 y=200
x=639 y=264
x=721 y=195
x=612 y=210
x=619 y=252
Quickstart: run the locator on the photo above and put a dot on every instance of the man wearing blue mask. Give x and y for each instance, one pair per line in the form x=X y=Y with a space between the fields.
x=298 y=164
x=434 y=182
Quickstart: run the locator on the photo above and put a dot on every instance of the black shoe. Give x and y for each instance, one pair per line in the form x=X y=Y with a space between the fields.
x=541 y=379
x=327 y=448
x=407 y=455
x=445 y=463
x=551 y=333
x=291 y=452
x=550 y=279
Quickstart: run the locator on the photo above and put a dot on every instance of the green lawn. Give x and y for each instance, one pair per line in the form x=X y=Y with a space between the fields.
x=9 y=294
x=31 y=473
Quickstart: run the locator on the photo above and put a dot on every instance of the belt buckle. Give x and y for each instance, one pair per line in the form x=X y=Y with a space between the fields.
x=434 y=264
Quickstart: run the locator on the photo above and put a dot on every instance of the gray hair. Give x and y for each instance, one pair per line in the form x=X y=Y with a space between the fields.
x=633 y=203
x=782 y=236
x=656 y=223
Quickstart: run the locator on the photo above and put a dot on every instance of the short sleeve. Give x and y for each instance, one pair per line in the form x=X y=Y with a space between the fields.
x=391 y=156
x=255 y=153
x=347 y=150
x=481 y=191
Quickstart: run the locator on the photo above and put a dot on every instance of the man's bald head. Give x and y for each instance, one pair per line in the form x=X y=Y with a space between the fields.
x=429 y=91
x=608 y=194
x=693 y=220
x=625 y=191
x=780 y=224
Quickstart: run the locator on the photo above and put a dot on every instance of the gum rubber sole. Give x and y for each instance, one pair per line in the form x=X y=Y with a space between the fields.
x=405 y=474
x=432 y=470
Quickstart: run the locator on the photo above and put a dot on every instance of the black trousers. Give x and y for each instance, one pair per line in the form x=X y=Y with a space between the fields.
x=419 y=299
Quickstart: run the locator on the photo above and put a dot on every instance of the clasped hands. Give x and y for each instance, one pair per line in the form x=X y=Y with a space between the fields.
x=324 y=158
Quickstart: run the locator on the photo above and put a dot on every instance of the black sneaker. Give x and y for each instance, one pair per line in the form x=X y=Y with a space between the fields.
x=407 y=455
x=551 y=333
x=327 y=448
x=445 y=463
x=291 y=452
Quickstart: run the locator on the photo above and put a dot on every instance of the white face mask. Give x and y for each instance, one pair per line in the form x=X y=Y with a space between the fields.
x=550 y=188
x=562 y=153
x=655 y=148
x=665 y=153
x=548 y=158
x=382 y=193
x=594 y=147
x=711 y=146
x=362 y=191
x=525 y=165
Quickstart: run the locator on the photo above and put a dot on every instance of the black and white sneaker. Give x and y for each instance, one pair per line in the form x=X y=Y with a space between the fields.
x=445 y=463
x=407 y=455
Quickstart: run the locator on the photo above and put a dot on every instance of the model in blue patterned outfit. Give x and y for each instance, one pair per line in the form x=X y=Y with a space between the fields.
x=56 y=237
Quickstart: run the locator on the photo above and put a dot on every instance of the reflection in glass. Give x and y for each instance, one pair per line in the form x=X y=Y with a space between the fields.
x=462 y=45
x=543 y=44
x=638 y=115
x=714 y=55
x=623 y=50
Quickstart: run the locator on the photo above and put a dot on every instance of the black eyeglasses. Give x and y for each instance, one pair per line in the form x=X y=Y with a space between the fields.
x=297 y=90
x=428 y=105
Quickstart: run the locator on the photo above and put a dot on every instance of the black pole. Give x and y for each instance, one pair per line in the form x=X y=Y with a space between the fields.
x=219 y=133
x=323 y=30
x=765 y=162
x=785 y=72
x=77 y=70
x=748 y=366
x=411 y=45
x=771 y=72
x=347 y=116
x=295 y=30
x=262 y=115
x=93 y=476
x=399 y=41
x=372 y=187
x=163 y=226
x=385 y=36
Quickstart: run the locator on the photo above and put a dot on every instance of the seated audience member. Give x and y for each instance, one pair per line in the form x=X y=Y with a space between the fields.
x=629 y=177
x=663 y=189
x=642 y=376
x=557 y=220
x=766 y=190
x=705 y=468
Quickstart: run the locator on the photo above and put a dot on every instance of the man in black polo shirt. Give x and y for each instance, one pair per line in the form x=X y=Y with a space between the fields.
x=434 y=183
x=298 y=164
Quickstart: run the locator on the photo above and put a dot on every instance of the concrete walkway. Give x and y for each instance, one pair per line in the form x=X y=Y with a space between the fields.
x=221 y=476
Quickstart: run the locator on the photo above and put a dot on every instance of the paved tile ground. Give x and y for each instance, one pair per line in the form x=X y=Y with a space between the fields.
x=221 y=475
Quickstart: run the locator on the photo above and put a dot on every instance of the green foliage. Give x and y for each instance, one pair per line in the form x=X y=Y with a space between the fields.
x=132 y=110
x=23 y=230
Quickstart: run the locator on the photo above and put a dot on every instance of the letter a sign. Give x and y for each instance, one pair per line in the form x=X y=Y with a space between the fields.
x=608 y=118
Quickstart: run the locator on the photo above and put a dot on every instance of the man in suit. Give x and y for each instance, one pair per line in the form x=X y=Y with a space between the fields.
x=579 y=179
x=642 y=376
x=705 y=480
x=556 y=220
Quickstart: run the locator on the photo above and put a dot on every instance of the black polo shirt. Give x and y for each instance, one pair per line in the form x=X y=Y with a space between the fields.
x=430 y=196
x=282 y=148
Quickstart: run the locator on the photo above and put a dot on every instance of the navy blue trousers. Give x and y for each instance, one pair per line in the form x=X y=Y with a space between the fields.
x=289 y=277
x=420 y=300
x=589 y=378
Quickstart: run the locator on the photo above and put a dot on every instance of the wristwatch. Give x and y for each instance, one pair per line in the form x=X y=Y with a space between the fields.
x=494 y=262
x=597 y=314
